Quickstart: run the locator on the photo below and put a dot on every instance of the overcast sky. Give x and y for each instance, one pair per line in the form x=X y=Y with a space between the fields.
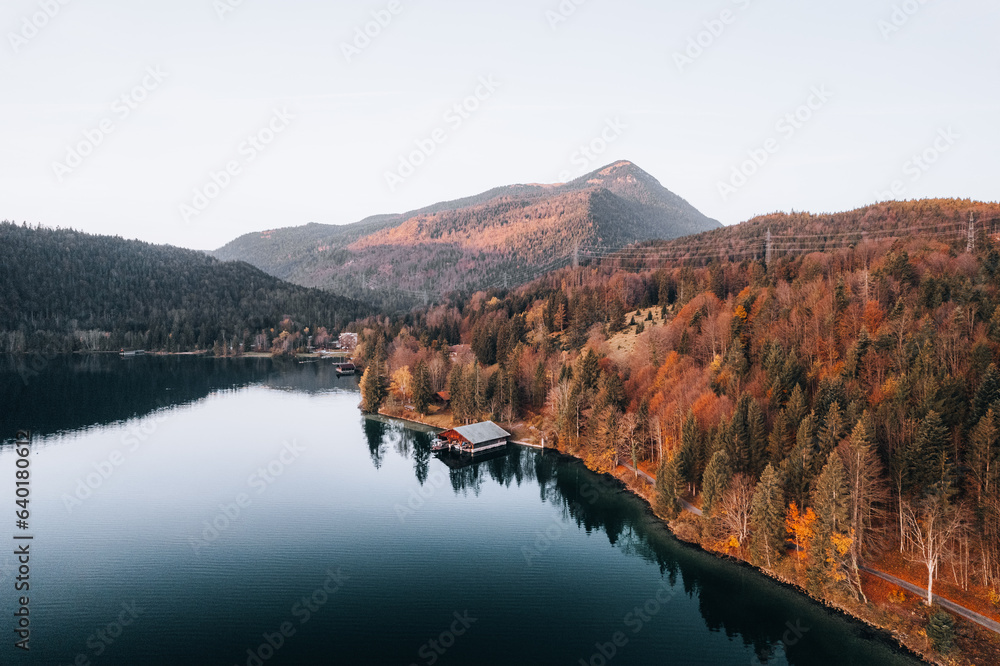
x=123 y=117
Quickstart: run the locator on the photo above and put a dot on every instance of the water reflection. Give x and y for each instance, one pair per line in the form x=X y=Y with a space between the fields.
x=65 y=393
x=773 y=621
x=76 y=392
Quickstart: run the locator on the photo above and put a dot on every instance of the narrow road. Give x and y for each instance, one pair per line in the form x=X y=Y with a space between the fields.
x=969 y=615
x=972 y=616
x=684 y=504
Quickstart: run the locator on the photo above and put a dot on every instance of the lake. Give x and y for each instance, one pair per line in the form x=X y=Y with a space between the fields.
x=243 y=512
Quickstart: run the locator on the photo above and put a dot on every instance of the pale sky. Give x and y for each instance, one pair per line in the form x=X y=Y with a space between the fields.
x=887 y=80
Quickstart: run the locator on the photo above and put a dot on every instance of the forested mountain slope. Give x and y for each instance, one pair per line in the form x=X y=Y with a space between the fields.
x=506 y=235
x=844 y=397
x=63 y=290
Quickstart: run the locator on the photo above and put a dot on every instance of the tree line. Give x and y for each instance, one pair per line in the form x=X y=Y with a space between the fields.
x=68 y=291
x=823 y=411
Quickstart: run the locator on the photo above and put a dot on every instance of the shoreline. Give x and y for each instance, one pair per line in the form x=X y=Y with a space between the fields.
x=892 y=637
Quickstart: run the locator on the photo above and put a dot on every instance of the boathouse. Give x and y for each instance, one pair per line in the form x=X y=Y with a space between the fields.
x=477 y=438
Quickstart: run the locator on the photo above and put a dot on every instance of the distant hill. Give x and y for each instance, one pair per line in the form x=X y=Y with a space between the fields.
x=64 y=290
x=800 y=233
x=507 y=234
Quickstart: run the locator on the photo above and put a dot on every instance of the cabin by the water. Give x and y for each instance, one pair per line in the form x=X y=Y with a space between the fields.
x=473 y=439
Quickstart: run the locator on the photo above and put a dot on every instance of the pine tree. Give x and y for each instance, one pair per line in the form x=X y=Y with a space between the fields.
x=780 y=439
x=475 y=393
x=831 y=502
x=590 y=371
x=716 y=481
x=614 y=391
x=737 y=440
x=867 y=491
x=941 y=631
x=539 y=385
x=688 y=455
x=928 y=464
x=757 y=439
x=374 y=389
x=984 y=457
x=459 y=398
x=422 y=392
x=668 y=486
x=797 y=467
x=767 y=518
x=829 y=435
x=797 y=408
x=987 y=393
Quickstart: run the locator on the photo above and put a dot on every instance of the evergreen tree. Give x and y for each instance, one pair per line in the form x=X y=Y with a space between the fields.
x=539 y=385
x=928 y=465
x=422 y=392
x=797 y=468
x=780 y=439
x=941 y=631
x=984 y=457
x=767 y=518
x=688 y=455
x=757 y=439
x=590 y=371
x=614 y=391
x=737 y=441
x=831 y=502
x=459 y=398
x=830 y=434
x=668 y=487
x=797 y=408
x=987 y=394
x=716 y=481
x=867 y=489
x=374 y=388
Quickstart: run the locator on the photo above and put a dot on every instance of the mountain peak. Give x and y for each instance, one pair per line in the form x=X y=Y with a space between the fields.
x=510 y=231
x=621 y=171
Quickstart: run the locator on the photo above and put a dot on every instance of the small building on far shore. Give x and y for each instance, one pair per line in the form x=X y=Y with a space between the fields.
x=348 y=341
x=476 y=438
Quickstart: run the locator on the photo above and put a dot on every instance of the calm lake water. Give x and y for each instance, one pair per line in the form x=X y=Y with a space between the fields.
x=199 y=511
